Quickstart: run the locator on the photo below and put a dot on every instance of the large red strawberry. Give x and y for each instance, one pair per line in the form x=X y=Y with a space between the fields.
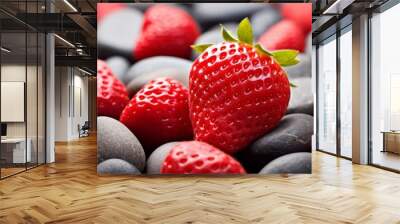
x=285 y=34
x=104 y=9
x=238 y=91
x=112 y=96
x=196 y=157
x=159 y=113
x=300 y=13
x=166 y=30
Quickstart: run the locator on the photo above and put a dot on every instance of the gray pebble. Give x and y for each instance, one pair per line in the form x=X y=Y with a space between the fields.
x=293 y=134
x=263 y=20
x=302 y=69
x=118 y=32
x=118 y=65
x=136 y=84
x=156 y=159
x=117 y=167
x=301 y=97
x=213 y=36
x=309 y=44
x=114 y=140
x=299 y=163
x=153 y=64
x=211 y=14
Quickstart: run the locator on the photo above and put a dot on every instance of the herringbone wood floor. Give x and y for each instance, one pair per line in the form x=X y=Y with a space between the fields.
x=69 y=191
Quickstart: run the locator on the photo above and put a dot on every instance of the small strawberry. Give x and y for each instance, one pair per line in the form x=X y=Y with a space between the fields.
x=104 y=9
x=159 y=113
x=166 y=30
x=238 y=91
x=196 y=157
x=112 y=96
x=300 y=13
x=285 y=34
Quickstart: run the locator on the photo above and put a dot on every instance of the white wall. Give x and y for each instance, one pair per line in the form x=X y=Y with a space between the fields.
x=70 y=83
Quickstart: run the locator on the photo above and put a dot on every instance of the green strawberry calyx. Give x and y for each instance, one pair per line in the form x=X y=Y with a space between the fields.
x=285 y=58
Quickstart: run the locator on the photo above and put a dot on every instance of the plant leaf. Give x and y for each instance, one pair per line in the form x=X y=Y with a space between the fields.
x=227 y=35
x=261 y=50
x=245 y=31
x=286 y=57
x=200 y=48
x=290 y=63
x=292 y=85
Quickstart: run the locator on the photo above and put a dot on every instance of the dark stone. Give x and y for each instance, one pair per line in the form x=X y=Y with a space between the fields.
x=301 y=97
x=136 y=84
x=211 y=14
x=213 y=36
x=115 y=141
x=118 y=65
x=176 y=68
x=116 y=167
x=302 y=69
x=299 y=163
x=156 y=159
x=293 y=134
x=309 y=44
x=262 y=20
x=118 y=32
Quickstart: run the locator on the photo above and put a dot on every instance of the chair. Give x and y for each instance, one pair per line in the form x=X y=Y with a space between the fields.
x=84 y=130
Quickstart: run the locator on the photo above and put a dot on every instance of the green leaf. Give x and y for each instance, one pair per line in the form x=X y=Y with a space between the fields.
x=292 y=85
x=290 y=63
x=228 y=36
x=286 y=57
x=245 y=32
x=200 y=48
x=261 y=50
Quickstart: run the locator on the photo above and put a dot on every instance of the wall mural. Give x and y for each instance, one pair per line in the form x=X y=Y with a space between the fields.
x=204 y=88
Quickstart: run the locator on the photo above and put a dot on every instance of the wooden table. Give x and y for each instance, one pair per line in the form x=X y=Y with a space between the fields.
x=391 y=141
x=16 y=146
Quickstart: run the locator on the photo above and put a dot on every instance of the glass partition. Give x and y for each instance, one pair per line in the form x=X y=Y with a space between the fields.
x=14 y=145
x=22 y=77
x=346 y=93
x=385 y=90
x=327 y=96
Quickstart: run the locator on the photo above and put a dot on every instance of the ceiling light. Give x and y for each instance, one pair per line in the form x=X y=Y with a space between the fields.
x=70 y=5
x=65 y=41
x=84 y=71
x=5 y=50
x=337 y=7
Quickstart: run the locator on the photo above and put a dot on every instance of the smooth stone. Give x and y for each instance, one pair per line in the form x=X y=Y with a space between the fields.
x=293 y=134
x=302 y=69
x=118 y=32
x=136 y=84
x=153 y=64
x=156 y=159
x=116 y=167
x=210 y=14
x=140 y=6
x=118 y=65
x=145 y=5
x=262 y=20
x=116 y=141
x=309 y=44
x=301 y=97
x=300 y=162
x=213 y=36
